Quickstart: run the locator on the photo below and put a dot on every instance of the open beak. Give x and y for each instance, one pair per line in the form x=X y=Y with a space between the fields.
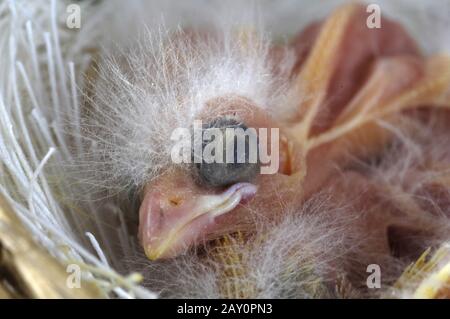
x=169 y=226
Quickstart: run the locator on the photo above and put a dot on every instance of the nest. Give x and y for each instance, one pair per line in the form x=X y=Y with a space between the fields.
x=47 y=234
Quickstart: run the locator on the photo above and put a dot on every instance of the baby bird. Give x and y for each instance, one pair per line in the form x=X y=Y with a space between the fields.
x=324 y=93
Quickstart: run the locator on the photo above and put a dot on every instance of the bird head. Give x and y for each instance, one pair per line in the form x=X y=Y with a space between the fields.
x=204 y=199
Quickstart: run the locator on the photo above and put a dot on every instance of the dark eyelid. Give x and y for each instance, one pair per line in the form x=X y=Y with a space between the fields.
x=224 y=174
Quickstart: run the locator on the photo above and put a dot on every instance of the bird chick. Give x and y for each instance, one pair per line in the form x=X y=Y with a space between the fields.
x=324 y=94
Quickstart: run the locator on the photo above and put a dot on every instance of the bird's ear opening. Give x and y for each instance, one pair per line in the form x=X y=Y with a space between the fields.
x=286 y=158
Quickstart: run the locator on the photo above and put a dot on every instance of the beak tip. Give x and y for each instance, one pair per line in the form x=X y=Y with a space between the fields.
x=152 y=254
x=159 y=252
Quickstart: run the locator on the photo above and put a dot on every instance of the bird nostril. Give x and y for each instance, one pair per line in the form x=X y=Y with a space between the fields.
x=175 y=201
x=170 y=202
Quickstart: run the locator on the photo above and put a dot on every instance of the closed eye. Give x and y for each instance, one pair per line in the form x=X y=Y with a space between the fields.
x=238 y=164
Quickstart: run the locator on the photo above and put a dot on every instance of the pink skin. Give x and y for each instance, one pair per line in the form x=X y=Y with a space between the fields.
x=169 y=221
x=176 y=213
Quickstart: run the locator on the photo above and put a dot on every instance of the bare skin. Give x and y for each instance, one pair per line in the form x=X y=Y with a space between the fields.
x=347 y=77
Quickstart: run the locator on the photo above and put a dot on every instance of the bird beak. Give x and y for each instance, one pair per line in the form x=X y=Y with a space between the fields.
x=169 y=226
